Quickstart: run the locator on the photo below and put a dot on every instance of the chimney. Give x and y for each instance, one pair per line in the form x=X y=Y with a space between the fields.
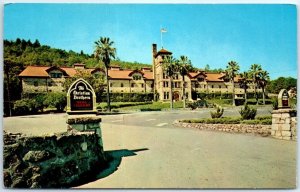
x=79 y=66
x=115 y=68
x=146 y=69
x=154 y=49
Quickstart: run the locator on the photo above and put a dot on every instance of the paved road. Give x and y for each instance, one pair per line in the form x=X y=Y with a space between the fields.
x=163 y=156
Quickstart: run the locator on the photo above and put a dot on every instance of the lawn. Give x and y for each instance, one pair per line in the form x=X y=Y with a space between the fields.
x=141 y=106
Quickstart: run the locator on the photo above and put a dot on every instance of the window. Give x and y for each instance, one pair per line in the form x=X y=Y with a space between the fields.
x=111 y=84
x=49 y=84
x=212 y=86
x=122 y=85
x=132 y=84
x=152 y=85
x=136 y=77
x=176 y=85
x=204 y=86
x=36 y=83
x=166 y=84
x=165 y=76
x=142 y=84
x=200 y=79
x=220 y=86
x=166 y=95
x=55 y=75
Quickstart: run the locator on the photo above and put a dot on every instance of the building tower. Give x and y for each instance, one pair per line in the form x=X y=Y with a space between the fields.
x=160 y=80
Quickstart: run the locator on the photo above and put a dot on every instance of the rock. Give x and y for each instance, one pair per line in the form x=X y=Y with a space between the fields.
x=36 y=156
x=7 y=179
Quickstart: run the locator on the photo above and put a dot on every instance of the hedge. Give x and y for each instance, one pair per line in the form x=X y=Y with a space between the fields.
x=127 y=97
x=204 y=95
x=264 y=120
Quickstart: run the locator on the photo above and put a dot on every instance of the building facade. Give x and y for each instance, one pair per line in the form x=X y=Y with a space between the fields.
x=147 y=80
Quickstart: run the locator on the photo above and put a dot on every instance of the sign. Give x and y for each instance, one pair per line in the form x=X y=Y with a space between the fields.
x=283 y=99
x=81 y=98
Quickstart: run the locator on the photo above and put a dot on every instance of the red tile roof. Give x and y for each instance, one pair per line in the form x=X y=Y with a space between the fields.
x=163 y=51
x=211 y=76
x=34 y=71
x=37 y=71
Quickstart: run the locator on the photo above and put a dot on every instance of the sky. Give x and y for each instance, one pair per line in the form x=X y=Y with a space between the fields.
x=212 y=34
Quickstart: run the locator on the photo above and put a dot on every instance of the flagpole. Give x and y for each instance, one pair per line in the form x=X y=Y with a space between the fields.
x=161 y=42
x=162 y=30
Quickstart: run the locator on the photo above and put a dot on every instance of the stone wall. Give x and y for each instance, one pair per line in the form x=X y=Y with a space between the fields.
x=263 y=130
x=284 y=124
x=59 y=160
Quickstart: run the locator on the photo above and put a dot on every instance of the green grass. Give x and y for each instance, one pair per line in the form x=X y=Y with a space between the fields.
x=221 y=102
x=143 y=106
x=118 y=105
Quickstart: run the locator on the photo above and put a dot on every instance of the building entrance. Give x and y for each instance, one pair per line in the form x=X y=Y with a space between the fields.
x=176 y=96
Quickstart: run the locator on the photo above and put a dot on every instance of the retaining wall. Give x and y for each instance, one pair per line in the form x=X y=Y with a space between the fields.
x=58 y=160
x=263 y=130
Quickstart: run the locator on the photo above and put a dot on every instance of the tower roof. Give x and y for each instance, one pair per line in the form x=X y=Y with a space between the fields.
x=163 y=52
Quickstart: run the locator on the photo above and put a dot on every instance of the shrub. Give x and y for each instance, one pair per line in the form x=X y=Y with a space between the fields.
x=248 y=112
x=127 y=97
x=29 y=106
x=218 y=113
x=266 y=117
x=266 y=122
x=275 y=103
x=57 y=100
x=21 y=107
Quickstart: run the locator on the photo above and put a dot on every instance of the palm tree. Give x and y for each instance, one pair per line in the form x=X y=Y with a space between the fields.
x=170 y=67
x=263 y=80
x=254 y=72
x=231 y=70
x=244 y=81
x=104 y=52
x=184 y=67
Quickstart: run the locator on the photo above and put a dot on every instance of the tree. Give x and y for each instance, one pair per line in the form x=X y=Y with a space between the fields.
x=95 y=80
x=244 y=81
x=170 y=67
x=231 y=70
x=36 y=44
x=183 y=68
x=262 y=81
x=254 y=72
x=104 y=52
x=276 y=85
x=207 y=68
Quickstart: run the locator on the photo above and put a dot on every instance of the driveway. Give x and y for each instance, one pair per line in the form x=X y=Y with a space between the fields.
x=163 y=156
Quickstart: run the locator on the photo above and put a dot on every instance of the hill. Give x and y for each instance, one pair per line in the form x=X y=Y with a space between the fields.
x=27 y=53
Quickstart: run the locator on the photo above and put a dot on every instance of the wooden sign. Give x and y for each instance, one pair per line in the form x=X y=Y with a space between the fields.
x=81 y=98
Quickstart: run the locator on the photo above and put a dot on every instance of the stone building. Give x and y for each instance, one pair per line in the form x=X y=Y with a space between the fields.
x=146 y=80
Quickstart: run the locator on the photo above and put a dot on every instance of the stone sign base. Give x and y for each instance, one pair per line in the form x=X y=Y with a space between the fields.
x=86 y=123
x=284 y=124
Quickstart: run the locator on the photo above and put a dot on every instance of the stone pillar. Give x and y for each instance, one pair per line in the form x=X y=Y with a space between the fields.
x=86 y=123
x=284 y=124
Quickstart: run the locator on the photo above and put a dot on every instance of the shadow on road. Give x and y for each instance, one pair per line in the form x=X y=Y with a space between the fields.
x=114 y=159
